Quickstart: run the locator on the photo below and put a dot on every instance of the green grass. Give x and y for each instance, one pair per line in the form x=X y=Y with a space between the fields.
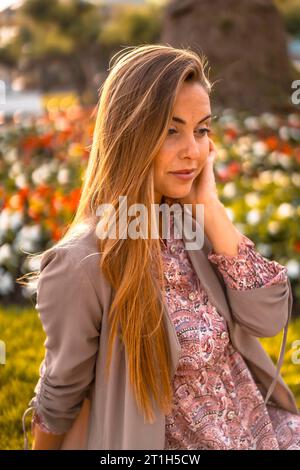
x=290 y=372
x=21 y=330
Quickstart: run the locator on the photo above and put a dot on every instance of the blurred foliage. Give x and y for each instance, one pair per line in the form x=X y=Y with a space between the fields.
x=66 y=44
x=290 y=10
x=132 y=24
x=22 y=332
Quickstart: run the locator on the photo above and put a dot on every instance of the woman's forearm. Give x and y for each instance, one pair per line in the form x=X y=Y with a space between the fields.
x=44 y=440
x=223 y=235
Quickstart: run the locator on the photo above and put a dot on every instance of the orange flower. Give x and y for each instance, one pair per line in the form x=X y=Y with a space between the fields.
x=234 y=168
x=231 y=133
x=287 y=149
x=272 y=142
x=297 y=153
x=15 y=202
x=297 y=246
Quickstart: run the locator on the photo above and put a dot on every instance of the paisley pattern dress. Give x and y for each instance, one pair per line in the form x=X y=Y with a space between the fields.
x=216 y=404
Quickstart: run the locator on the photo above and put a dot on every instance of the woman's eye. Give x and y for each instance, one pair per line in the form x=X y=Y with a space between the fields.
x=202 y=131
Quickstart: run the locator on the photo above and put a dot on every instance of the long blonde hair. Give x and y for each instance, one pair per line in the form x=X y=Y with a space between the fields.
x=133 y=115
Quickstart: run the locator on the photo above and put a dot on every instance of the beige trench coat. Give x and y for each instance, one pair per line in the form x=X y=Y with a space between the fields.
x=73 y=300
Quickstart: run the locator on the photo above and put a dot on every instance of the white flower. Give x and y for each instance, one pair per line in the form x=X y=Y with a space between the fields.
x=252 y=123
x=253 y=216
x=5 y=253
x=293 y=119
x=229 y=190
x=295 y=133
x=273 y=227
x=266 y=177
x=296 y=179
x=259 y=148
x=293 y=268
x=4 y=220
x=21 y=181
x=23 y=246
x=41 y=174
x=284 y=133
x=285 y=210
x=227 y=120
x=15 y=170
x=280 y=178
x=270 y=120
x=273 y=157
x=32 y=232
x=63 y=176
x=222 y=154
x=252 y=199
x=284 y=160
x=16 y=220
x=242 y=146
x=9 y=221
x=11 y=155
x=6 y=282
x=27 y=238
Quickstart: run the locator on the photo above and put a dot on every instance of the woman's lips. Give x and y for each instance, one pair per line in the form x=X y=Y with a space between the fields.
x=184 y=176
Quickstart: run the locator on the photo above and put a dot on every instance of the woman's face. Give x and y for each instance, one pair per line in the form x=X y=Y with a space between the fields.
x=186 y=145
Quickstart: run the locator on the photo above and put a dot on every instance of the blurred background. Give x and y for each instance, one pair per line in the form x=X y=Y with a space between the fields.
x=54 y=55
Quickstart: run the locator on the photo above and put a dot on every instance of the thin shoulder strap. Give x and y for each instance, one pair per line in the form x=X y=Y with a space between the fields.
x=283 y=345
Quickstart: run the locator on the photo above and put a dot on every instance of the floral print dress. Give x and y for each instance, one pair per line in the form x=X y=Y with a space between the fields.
x=217 y=404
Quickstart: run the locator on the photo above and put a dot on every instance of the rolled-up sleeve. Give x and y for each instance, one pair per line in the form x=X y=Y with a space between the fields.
x=258 y=290
x=70 y=313
x=248 y=269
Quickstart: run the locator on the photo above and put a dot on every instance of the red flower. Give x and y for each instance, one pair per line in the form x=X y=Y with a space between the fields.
x=272 y=142
x=234 y=168
x=46 y=140
x=297 y=246
x=231 y=133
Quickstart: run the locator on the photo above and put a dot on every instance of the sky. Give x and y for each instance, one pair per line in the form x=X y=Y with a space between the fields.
x=6 y=3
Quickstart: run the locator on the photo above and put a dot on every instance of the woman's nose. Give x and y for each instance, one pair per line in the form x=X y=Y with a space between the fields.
x=192 y=150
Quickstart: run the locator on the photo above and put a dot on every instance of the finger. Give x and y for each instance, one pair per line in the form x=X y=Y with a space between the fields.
x=212 y=155
x=212 y=145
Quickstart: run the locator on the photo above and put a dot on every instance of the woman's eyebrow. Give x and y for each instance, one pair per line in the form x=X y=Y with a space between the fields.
x=181 y=121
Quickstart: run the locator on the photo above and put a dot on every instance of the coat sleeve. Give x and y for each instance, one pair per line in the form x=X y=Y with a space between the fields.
x=258 y=290
x=70 y=313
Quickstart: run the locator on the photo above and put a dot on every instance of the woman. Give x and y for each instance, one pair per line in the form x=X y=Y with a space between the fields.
x=199 y=379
